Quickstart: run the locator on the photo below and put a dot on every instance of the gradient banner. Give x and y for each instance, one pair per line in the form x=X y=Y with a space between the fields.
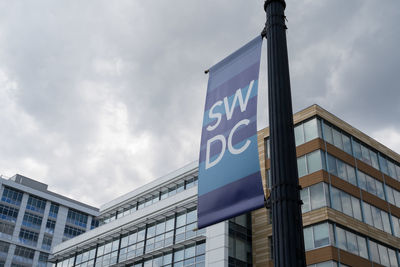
x=229 y=169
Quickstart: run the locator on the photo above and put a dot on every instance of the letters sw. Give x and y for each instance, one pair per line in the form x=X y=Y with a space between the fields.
x=238 y=97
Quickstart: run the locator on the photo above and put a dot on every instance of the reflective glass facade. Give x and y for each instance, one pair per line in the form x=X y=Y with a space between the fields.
x=29 y=223
x=355 y=180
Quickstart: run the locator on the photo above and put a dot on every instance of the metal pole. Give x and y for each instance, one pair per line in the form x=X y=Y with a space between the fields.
x=287 y=227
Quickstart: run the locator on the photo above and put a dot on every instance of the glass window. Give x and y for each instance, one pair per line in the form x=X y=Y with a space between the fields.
x=299 y=134
x=306 y=200
x=140 y=234
x=374 y=159
x=376 y=217
x=396 y=195
x=328 y=133
x=36 y=204
x=169 y=224
x=383 y=164
x=301 y=166
x=357 y=149
x=379 y=189
x=365 y=155
x=314 y=161
x=321 y=235
x=311 y=130
x=351 y=175
x=191 y=216
x=341 y=170
x=181 y=220
x=341 y=238
x=308 y=238
x=346 y=144
x=317 y=196
x=383 y=255
x=190 y=252
x=392 y=257
x=362 y=180
x=371 y=187
x=398 y=172
x=332 y=165
x=268 y=153
x=8 y=213
x=336 y=199
x=362 y=247
x=337 y=139
x=178 y=255
x=367 y=213
x=396 y=226
x=373 y=248
x=356 y=208
x=351 y=242
x=346 y=204
x=392 y=169
x=12 y=196
x=386 y=222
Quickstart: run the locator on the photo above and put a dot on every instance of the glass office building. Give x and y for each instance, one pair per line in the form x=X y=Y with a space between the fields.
x=33 y=220
x=351 y=210
x=156 y=225
x=350 y=192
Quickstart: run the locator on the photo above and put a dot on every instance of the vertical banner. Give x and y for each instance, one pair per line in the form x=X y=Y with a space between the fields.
x=229 y=169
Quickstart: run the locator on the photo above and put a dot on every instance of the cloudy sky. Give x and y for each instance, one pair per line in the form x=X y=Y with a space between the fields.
x=100 y=97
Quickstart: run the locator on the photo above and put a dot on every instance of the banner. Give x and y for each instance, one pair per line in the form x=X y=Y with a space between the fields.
x=229 y=169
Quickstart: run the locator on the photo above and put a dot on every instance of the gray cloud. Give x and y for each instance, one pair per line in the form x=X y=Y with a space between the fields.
x=99 y=97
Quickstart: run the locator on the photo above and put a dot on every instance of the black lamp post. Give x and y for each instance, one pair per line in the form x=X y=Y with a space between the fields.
x=288 y=239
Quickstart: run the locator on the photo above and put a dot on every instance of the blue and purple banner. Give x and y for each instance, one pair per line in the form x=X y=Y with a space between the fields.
x=229 y=169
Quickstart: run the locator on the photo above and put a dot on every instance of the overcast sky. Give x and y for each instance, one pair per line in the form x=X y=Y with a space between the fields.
x=100 y=97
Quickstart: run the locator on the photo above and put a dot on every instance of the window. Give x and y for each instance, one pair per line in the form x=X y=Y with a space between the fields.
x=4 y=246
x=28 y=237
x=24 y=254
x=46 y=243
x=351 y=242
x=107 y=253
x=341 y=170
x=77 y=218
x=370 y=184
x=32 y=221
x=389 y=168
x=393 y=196
x=343 y=202
x=12 y=196
x=43 y=257
x=53 y=210
x=318 y=235
x=71 y=232
x=267 y=147
x=337 y=138
x=94 y=223
x=396 y=226
x=50 y=226
x=376 y=217
x=190 y=255
x=86 y=258
x=240 y=236
x=382 y=254
x=310 y=163
x=8 y=213
x=6 y=230
x=36 y=204
x=314 y=197
x=307 y=131
x=363 y=153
